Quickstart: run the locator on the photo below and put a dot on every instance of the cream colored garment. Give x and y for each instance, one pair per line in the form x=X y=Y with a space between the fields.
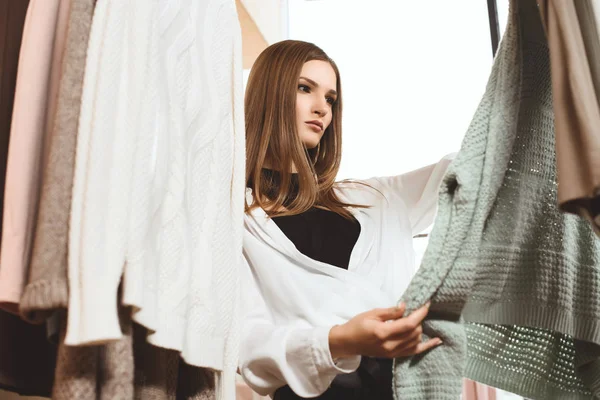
x=37 y=82
x=159 y=180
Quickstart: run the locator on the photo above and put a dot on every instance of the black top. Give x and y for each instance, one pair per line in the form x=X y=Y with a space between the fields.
x=328 y=237
x=319 y=234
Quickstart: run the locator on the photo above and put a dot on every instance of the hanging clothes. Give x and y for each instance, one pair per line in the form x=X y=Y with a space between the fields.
x=12 y=20
x=47 y=286
x=588 y=16
x=158 y=184
x=161 y=374
x=534 y=309
x=500 y=251
x=39 y=71
x=26 y=358
x=100 y=372
x=449 y=264
x=98 y=220
x=128 y=369
x=574 y=46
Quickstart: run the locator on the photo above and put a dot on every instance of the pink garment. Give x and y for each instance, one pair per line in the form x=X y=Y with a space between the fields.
x=477 y=391
x=37 y=84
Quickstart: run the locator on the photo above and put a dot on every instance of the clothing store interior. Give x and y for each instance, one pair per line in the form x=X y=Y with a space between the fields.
x=183 y=218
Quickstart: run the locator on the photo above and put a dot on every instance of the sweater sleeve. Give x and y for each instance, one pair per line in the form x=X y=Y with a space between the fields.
x=101 y=185
x=416 y=190
x=272 y=356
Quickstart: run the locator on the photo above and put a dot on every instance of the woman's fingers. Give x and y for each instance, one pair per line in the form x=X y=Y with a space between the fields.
x=428 y=345
x=390 y=314
x=409 y=344
x=406 y=336
x=408 y=324
x=418 y=347
x=416 y=317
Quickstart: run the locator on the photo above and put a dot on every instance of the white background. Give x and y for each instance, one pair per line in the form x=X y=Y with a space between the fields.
x=412 y=73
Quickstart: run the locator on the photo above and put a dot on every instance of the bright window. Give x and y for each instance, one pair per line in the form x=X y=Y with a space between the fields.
x=412 y=74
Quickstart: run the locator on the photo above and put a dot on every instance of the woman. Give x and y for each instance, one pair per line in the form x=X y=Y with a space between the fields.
x=324 y=260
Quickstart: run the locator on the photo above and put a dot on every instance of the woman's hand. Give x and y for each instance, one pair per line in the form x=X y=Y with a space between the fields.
x=381 y=332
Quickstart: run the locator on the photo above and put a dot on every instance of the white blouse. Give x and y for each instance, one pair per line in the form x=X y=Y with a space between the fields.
x=291 y=301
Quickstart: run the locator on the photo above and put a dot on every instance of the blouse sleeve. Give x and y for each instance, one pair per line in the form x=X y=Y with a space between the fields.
x=272 y=356
x=417 y=190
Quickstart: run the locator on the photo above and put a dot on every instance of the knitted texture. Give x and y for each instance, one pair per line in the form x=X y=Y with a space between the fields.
x=537 y=277
x=502 y=253
x=127 y=369
x=98 y=224
x=448 y=265
x=185 y=230
x=160 y=374
x=159 y=183
x=466 y=197
x=47 y=287
x=100 y=372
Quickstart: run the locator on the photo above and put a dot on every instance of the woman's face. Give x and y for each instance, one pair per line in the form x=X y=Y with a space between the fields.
x=314 y=99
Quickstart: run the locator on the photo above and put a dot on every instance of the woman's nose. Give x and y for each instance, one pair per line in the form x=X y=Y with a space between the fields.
x=320 y=109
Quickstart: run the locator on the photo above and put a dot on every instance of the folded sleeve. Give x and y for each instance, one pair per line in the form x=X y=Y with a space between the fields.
x=272 y=356
x=417 y=191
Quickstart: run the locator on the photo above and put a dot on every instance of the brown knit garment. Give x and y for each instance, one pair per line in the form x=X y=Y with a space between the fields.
x=160 y=374
x=47 y=287
x=103 y=372
x=127 y=369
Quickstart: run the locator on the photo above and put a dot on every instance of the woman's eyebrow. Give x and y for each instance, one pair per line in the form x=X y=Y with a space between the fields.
x=315 y=84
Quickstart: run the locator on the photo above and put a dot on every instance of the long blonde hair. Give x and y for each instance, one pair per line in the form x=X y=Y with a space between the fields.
x=271 y=134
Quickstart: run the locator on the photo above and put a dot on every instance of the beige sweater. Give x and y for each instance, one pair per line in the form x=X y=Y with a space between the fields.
x=576 y=107
x=47 y=287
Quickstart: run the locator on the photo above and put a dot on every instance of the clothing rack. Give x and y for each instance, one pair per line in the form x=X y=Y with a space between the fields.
x=494 y=26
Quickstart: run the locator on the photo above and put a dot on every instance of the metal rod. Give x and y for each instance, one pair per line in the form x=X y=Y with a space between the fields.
x=494 y=26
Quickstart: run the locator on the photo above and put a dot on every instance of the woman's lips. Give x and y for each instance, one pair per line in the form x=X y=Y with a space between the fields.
x=314 y=126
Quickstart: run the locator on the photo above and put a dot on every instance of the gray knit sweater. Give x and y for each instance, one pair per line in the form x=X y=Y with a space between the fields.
x=537 y=286
x=501 y=250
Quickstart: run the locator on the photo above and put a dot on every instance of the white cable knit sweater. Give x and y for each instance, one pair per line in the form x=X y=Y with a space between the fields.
x=159 y=182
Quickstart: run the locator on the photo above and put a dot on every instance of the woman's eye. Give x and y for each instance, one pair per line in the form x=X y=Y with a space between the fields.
x=330 y=100
x=304 y=88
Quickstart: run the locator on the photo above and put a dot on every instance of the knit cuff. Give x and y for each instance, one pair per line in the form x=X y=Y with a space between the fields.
x=41 y=298
x=93 y=314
